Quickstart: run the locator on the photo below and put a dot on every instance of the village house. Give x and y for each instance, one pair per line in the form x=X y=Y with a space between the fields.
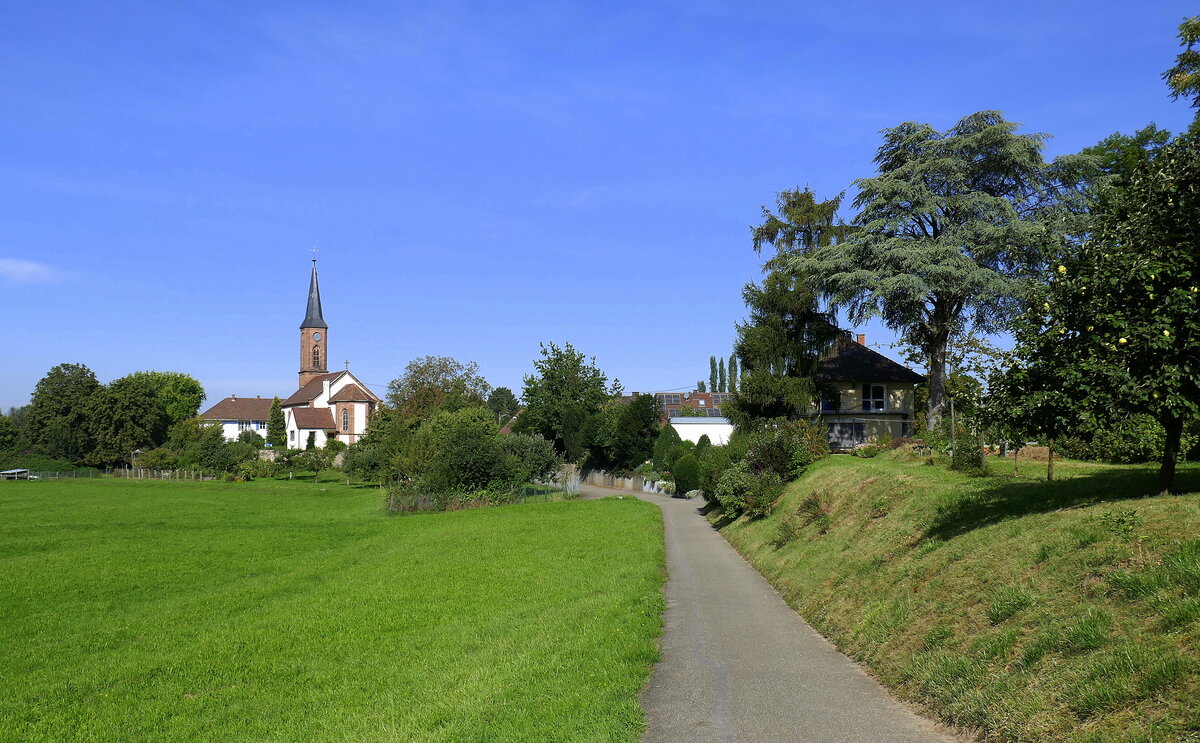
x=869 y=397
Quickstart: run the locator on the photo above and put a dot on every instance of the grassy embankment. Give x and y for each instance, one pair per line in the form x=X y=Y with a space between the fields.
x=276 y=611
x=1024 y=610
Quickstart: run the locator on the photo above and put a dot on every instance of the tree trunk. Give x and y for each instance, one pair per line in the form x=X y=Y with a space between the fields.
x=1166 y=473
x=1050 y=460
x=937 y=384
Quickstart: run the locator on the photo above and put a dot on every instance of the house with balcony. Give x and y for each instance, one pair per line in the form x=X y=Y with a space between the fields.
x=868 y=396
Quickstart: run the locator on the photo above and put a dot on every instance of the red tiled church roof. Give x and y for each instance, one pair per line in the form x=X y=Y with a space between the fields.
x=318 y=418
x=309 y=392
x=239 y=409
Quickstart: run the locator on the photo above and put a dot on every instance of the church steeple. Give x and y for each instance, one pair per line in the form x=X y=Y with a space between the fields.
x=314 y=335
x=313 y=318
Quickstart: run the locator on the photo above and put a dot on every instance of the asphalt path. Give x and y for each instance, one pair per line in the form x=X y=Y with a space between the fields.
x=740 y=666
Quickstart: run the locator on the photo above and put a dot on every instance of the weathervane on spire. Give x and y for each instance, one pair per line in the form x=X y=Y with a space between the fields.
x=314 y=252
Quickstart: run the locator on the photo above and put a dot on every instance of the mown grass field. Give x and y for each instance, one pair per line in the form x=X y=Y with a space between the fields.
x=277 y=611
x=1019 y=609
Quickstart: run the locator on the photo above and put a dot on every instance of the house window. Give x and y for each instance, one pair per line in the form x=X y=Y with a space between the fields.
x=292 y=436
x=874 y=398
x=316 y=358
x=345 y=420
x=829 y=402
x=260 y=425
x=243 y=426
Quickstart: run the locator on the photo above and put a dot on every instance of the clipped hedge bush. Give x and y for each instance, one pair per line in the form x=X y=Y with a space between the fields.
x=686 y=473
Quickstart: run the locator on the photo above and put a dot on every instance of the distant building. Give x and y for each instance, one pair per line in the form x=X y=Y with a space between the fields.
x=327 y=405
x=236 y=414
x=872 y=396
x=692 y=428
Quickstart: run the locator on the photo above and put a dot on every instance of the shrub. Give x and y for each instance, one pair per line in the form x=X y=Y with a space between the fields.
x=460 y=451
x=252 y=438
x=766 y=491
x=968 y=454
x=785 y=534
x=667 y=439
x=740 y=490
x=677 y=452
x=867 y=451
x=701 y=445
x=735 y=484
x=686 y=473
x=787 y=448
x=535 y=456
x=161 y=458
x=713 y=463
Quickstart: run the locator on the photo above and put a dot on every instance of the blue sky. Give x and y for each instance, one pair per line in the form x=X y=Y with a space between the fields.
x=478 y=177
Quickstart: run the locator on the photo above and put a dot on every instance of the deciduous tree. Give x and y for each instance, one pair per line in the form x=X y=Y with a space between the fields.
x=1118 y=327
x=953 y=232
x=1184 y=76
x=56 y=420
x=433 y=383
x=565 y=389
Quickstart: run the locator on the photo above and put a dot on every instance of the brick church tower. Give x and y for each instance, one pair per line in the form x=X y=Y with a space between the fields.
x=314 y=335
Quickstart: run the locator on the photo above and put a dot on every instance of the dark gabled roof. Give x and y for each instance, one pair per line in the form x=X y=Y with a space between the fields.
x=313 y=317
x=318 y=418
x=239 y=409
x=351 y=393
x=848 y=361
x=308 y=392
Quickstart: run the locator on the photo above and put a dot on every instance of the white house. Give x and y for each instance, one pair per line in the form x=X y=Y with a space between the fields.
x=236 y=414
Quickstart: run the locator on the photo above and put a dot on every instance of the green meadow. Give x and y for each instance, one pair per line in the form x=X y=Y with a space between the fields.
x=289 y=611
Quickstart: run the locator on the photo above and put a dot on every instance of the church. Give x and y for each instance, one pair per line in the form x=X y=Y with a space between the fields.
x=327 y=405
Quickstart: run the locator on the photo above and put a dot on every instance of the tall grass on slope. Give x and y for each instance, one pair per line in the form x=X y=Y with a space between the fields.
x=268 y=611
x=1028 y=611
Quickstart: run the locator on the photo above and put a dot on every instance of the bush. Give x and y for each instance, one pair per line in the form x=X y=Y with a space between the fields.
x=867 y=451
x=686 y=473
x=461 y=451
x=677 y=452
x=741 y=490
x=736 y=483
x=713 y=463
x=252 y=438
x=787 y=449
x=968 y=454
x=534 y=455
x=667 y=439
x=701 y=445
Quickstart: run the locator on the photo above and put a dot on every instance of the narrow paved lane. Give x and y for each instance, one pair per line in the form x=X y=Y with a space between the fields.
x=740 y=666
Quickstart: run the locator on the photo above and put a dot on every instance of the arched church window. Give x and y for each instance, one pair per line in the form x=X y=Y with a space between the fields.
x=345 y=420
x=316 y=358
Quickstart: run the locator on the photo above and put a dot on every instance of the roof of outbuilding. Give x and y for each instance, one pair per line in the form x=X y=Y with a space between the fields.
x=313 y=418
x=848 y=361
x=352 y=393
x=308 y=392
x=239 y=409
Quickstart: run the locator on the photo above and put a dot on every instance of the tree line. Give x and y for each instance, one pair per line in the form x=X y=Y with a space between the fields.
x=1089 y=260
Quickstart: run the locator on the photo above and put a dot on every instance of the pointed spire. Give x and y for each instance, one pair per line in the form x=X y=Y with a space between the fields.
x=313 y=318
